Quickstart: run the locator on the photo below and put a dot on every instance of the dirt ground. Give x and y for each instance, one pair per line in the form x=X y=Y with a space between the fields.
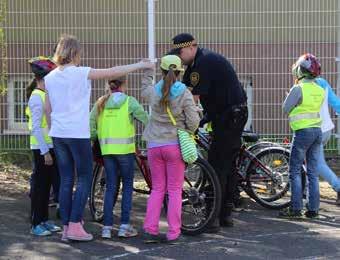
x=14 y=178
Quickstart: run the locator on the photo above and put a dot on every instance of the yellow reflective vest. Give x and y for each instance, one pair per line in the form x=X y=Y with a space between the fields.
x=307 y=114
x=116 y=131
x=33 y=141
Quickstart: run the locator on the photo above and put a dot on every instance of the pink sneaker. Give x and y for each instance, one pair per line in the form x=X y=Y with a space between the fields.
x=64 y=234
x=76 y=232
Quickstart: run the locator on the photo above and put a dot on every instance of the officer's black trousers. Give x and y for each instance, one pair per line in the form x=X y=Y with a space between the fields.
x=224 y=149
x=41 y=181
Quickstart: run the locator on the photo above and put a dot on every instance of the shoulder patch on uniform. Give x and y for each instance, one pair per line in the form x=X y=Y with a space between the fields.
x=194 y=78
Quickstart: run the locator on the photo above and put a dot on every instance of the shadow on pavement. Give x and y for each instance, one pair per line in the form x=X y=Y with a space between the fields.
x=258 y=234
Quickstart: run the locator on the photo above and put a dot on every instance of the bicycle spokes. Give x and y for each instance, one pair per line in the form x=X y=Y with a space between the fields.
x=268 y=178
x=199 y=196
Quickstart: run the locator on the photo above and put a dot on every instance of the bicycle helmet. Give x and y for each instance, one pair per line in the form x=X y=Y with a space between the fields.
x=307 y=65
x=41 y=66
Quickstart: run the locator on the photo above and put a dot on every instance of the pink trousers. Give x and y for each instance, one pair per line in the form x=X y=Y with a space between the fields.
x=167 y=174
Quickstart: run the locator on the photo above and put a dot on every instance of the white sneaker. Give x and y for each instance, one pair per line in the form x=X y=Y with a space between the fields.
x=106 y=232
x=126 y=230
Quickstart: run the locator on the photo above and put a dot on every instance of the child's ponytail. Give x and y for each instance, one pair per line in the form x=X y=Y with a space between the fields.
x=30 y=88
x=169 y=79
x=112 y=86
x=102 y=101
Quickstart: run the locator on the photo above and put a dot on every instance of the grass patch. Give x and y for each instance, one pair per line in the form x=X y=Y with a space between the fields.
x=21 y=159
x=14 y=143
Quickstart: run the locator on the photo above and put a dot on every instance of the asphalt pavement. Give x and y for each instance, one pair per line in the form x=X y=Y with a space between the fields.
x=258 y=234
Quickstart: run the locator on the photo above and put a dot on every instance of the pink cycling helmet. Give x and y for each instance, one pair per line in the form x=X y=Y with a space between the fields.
x=307 y=65
x=41 y=66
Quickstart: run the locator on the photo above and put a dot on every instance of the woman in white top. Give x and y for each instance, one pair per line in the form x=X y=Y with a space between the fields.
x=67 y=106
x=326 y=127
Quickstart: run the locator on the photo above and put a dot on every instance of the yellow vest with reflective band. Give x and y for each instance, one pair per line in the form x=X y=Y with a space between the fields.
x=33 y=141
x=307 y=114
x=116 y=132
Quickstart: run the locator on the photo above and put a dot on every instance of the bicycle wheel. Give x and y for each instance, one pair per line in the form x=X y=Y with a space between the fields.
x=269 y=186
x=255 y=148
x=201 y=197
x=98 y=186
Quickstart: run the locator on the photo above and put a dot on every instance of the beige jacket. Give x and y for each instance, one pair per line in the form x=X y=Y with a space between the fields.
x=159 y=128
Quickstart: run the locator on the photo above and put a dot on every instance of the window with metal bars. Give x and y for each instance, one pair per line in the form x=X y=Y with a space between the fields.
x=17 y=102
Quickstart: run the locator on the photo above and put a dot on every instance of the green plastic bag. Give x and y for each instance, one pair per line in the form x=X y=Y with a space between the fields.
x=188 y=146
x=187 y=142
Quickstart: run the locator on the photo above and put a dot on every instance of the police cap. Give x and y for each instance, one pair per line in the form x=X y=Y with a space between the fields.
x=180 y=41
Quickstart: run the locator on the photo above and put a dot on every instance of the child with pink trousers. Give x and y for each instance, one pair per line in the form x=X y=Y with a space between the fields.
x=164 y=155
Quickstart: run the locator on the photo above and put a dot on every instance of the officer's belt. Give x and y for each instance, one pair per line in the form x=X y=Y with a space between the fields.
x=239 y=105
x=129 y=140
x=304 y=116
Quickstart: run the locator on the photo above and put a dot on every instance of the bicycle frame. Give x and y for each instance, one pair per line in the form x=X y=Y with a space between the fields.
x=141 y=160
x=244 y=159
x=247 y=158
x=142 y=163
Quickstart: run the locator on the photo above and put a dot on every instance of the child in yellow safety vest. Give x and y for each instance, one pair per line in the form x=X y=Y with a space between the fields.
x=111 y=121
x=45 y=169
x=302 y=105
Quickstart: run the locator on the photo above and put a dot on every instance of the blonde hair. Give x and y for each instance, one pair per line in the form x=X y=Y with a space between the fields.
x=111 y=85
x=68 y=50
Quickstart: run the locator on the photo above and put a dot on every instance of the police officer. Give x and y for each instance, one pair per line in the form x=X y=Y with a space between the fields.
x=213 y=81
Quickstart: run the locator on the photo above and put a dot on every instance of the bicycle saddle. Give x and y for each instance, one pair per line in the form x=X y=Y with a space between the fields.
x=250 y=137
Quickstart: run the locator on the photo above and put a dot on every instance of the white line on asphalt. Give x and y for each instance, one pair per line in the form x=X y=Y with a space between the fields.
x=154 y=248
x=137 y=252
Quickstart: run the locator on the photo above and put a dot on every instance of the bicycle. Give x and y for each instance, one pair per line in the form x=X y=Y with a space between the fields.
x=262 y=169
x=201 y=196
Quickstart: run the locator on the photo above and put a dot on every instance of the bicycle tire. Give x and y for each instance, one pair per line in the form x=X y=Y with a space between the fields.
x=98 y=182
x=303 y=179
x=255 y=148
x=272 y=201
x=191 y=196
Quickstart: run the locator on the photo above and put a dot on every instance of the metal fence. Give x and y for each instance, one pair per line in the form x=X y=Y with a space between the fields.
x=262 y=38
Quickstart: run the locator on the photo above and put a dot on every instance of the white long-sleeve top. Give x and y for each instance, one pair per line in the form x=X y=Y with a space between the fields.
x=36 y=106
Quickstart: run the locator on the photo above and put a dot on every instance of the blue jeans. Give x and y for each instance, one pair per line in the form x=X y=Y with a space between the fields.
x=116 y=165
x=74 y=156
x=306 y=144
x=323 y=169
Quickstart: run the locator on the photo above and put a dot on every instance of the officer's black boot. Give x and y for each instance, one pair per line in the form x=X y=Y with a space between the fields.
x=227 y=220
x=214 y=227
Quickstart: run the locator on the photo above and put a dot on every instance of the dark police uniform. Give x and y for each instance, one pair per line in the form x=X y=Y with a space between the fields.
x=224 y=101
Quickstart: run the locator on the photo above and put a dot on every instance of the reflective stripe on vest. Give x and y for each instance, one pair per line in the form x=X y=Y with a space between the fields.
x=43 y=125
x=130 y=140
x=116 y=131
x=307 y=114
x=304 y=116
